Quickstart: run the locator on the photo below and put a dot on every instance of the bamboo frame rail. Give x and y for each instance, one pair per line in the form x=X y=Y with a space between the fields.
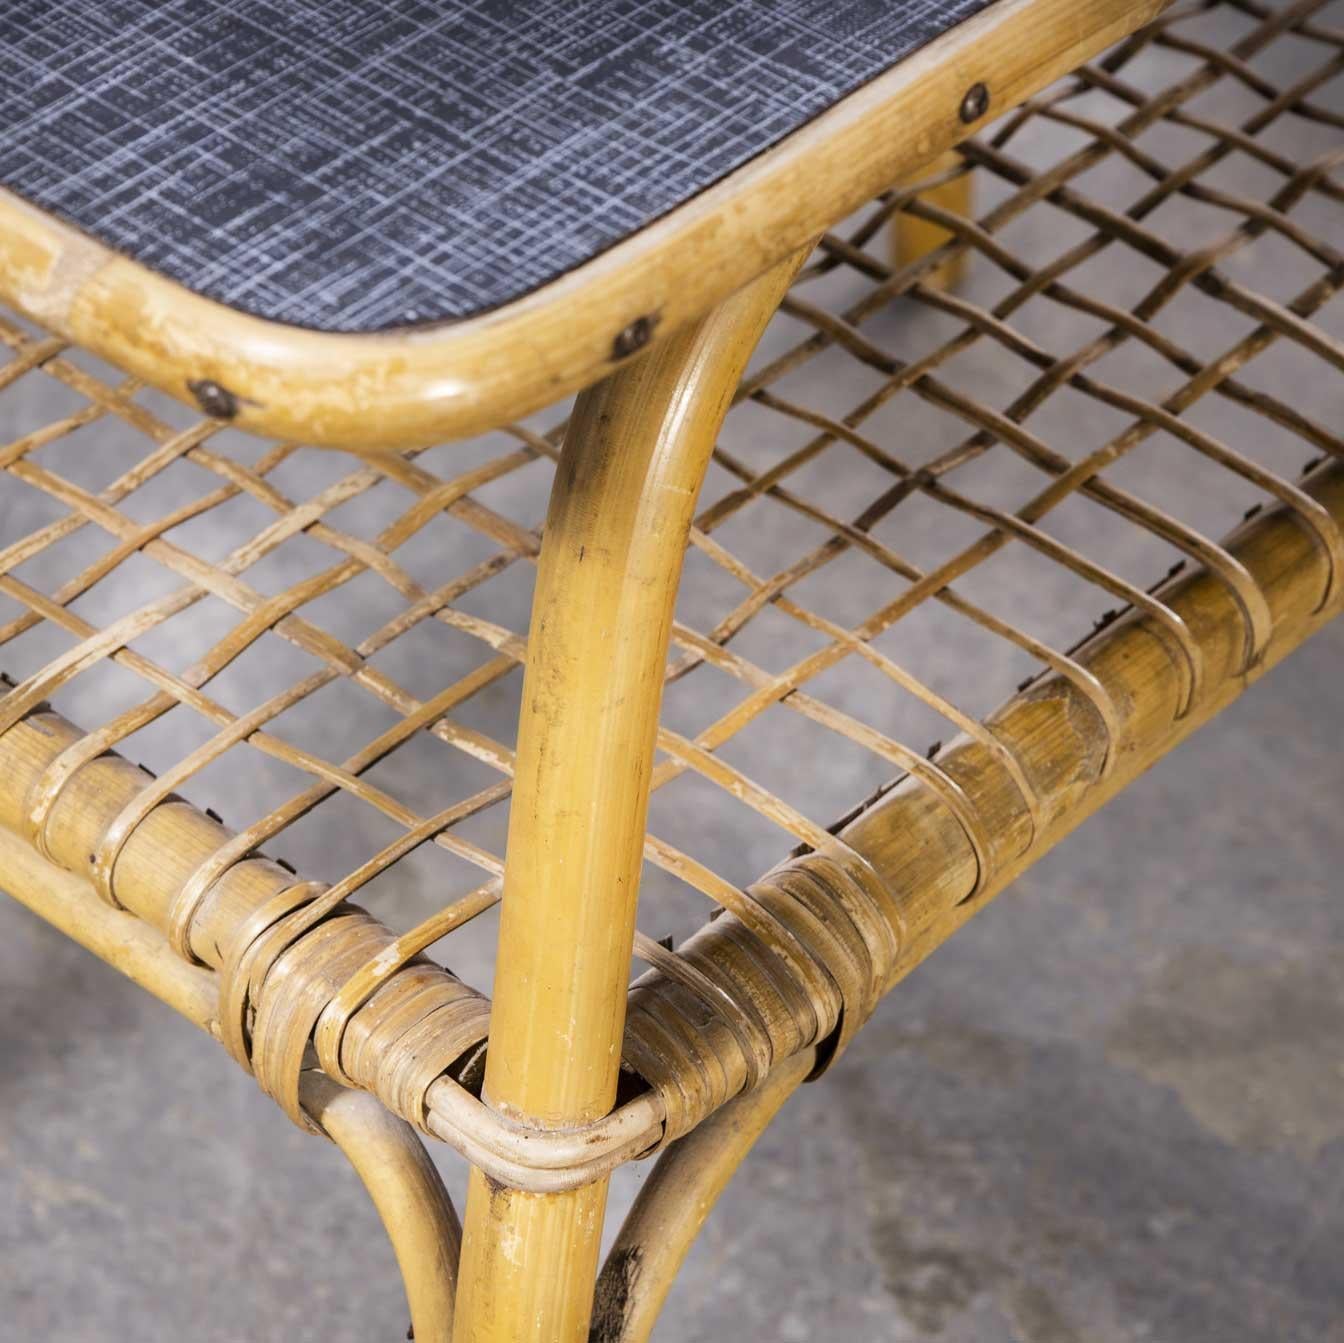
x=899 y=519
x=175 y=839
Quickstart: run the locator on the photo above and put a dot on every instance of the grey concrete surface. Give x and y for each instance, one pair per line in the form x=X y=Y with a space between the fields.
x=1110 y=1110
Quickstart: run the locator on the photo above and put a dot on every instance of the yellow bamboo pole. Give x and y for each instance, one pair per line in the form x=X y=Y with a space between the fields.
x=913 y=238
x=620 y=513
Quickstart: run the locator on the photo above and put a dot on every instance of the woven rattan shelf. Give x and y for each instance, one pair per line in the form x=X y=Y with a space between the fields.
x=330 y=648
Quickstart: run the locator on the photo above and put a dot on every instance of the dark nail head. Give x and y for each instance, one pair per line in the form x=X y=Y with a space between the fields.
x=635 y=337
x=217 y=402
x=975 y=104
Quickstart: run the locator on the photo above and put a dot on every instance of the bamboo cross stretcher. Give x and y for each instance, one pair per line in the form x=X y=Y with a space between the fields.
x=635 y=689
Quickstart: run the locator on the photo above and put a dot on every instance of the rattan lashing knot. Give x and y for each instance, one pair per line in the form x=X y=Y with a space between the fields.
x=284 y=972
x=843 y=892
x=710 y=1020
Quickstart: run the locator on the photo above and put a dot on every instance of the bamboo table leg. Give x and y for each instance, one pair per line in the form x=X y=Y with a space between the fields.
x=914 y=237
x=620 y=511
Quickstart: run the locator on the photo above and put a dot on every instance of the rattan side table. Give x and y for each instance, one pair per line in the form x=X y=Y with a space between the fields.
x=403 y=233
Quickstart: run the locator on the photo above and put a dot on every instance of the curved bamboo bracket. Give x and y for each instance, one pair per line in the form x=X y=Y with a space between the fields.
x=676 y=1199
x=408 y=1193
x=385 y=1152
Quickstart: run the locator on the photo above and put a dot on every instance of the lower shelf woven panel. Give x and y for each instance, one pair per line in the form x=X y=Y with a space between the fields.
x=926 y=503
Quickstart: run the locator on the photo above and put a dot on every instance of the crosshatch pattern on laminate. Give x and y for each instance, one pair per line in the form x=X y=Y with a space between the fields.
x=351 y=165
x=920 y=501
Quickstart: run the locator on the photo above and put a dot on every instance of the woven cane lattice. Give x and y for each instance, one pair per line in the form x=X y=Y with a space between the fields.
x=922 y=500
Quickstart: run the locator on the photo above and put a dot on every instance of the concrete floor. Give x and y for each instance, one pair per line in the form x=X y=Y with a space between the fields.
x=1110 y=1110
